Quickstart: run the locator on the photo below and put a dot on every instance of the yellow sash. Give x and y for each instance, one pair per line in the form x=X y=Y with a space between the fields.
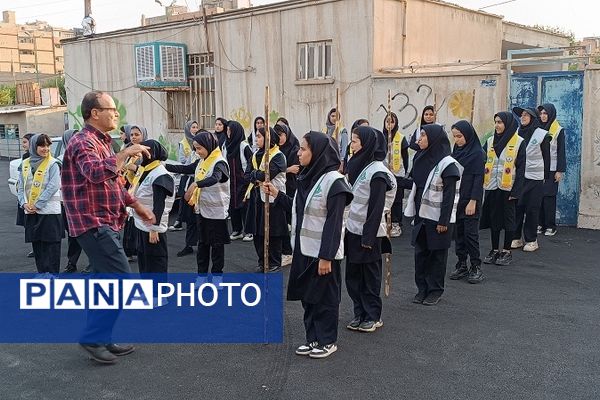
x=509 y=164
x=201 y=171
x=554 y=130
x=396 y=152
x=187 y=149
x=130 y=175
x=138 y=175
x=272 y=152
x=38 y=179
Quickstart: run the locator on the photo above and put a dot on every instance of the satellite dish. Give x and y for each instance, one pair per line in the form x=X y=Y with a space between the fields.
x=89 y=26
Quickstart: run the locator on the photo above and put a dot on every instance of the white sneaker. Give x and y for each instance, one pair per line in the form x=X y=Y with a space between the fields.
x=217 y=280
x=156 y=304
x=201 y=280
x=248 y=237
x=517 y=243
x=396 y=230
x=323 y=351
x=540 y=230
x=305 y=349
x=236 y=235
x=286 y=260
x=531 y=246
x=550 y=232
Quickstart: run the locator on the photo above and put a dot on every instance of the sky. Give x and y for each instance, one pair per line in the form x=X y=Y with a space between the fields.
x=579 y=16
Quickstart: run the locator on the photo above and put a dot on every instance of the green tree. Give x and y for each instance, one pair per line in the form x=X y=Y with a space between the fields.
x=7 y=95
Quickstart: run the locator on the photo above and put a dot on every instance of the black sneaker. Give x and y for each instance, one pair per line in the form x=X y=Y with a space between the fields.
x=185 y=251
x=370 y=326
x=491 y=257
x=505 y=258
x=419 y=297
x=475 y=274
x=461 y=270
x=70 y=269
x=432 y=299
x=305 y=349
x=119 y=350
x=30 y=254
x=323 y=351
x=354 y=324
x=177 y=226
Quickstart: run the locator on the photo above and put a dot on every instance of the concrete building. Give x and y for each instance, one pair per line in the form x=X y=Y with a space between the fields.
x=176 y=12
x=423 y=51
x=32 y=48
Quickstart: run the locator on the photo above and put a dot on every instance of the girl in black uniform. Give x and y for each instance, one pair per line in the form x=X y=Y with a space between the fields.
x=315 y=275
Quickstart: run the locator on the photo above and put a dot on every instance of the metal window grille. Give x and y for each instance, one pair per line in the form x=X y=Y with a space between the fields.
x=314 y=61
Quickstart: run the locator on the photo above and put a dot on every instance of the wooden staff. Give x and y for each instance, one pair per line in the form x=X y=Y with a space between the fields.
x=435 y=104
x=267 y=148
x=336 y=131
x=472 y=106
x=388 y=215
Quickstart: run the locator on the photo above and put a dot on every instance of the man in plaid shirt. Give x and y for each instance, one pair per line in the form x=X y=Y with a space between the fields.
x=95 y=203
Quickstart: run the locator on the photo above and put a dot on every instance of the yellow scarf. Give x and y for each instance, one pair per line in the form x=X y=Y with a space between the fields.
x=187 y=149
x=555 y=128
x=272 y=152
x=509 y=163
x=138 y=175
x=38 y=179
x=396 y=152
x=201 y=171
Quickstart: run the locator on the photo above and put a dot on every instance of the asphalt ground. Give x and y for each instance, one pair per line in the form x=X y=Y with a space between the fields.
x=529 y=331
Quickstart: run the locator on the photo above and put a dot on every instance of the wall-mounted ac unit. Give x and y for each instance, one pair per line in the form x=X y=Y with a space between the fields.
x=160 y=65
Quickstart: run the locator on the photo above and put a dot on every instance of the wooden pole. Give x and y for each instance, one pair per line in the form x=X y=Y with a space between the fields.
x=267 y=147
x=472 y=106
x=336 y=131
x=388 y=216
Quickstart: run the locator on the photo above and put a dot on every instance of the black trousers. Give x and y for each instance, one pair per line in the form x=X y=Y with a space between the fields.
x=47 y=256
x=130 y=237
x=397 y=207
x=321 y=322
x=237 y=219
x=508 y=236
x=430 y=266
x=275 y=243
x=548 y=212
x=528 y=210
x=73 y=249
x=467 y=240
x=191 y=231
x=363 y=282
x=205 y=253
x=152 y=258
x=106 y=255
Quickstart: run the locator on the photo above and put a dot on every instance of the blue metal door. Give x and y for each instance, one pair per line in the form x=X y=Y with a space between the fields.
x=564 y=89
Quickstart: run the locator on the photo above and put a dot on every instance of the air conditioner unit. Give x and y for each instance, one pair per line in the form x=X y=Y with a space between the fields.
x=161 y=66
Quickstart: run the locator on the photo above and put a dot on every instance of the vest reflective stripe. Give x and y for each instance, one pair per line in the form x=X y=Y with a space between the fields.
x=278 y=181
x=145 y=195
x=534 y=166
x=500 y=172
x=554 y=131
x=214 y=200
x=433 y=195
x=357 y=216
x=53 y=205
x=243 y=160
x=315 y=216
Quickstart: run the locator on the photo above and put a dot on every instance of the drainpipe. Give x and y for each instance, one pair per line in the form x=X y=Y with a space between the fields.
x=404 y=6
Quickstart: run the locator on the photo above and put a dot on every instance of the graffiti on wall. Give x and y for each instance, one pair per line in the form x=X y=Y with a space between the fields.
x=77 y=117
x=245 y=118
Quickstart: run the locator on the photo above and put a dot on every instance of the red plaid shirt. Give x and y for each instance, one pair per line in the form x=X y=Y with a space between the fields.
x=91 y=192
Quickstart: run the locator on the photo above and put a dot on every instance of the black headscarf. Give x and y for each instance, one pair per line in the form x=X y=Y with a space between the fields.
x=526 y=131
x=207 y=140
x=551 y=110
x=222 y=136
x=236 y=137
x=274 y=141
x=381 y=149
x=363 y=157
x=187 y=132
x=358 y=123
x=325 y=158
x=415 y=137
x=510 y=127
x=157 y=152
x=291 y=145
x=471 y=155
x=394 y=128
x=67 y=135
x=423 y=123
x=27 y=136
x=426 y=160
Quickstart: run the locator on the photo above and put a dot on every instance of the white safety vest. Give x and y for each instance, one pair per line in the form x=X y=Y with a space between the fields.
x=315 y=215
x=145 y=195
x=53 y=205
x=243 y=160
x=214 y=200
x=278 y=181
x=433 y=195
x=534 y=166
x=361 y=190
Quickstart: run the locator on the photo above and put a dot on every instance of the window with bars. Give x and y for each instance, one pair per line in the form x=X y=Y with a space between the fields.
x=9 y=131
x=314 y=61
x=199 y=102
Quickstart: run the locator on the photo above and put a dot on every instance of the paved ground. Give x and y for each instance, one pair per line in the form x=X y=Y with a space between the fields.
x=530 y=331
